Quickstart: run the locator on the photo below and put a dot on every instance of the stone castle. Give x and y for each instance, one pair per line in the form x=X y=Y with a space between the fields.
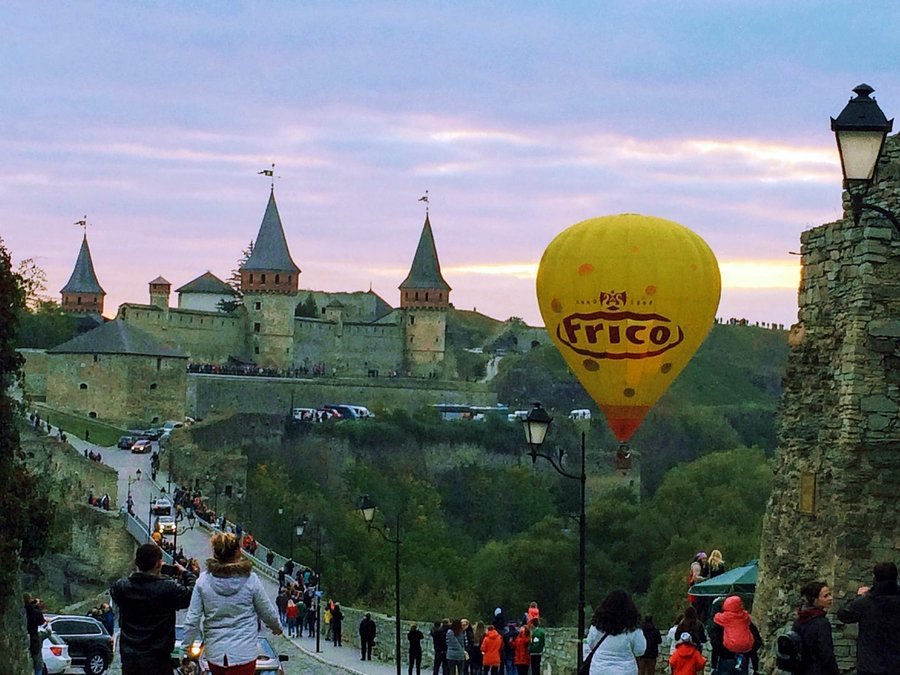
x=273 y=324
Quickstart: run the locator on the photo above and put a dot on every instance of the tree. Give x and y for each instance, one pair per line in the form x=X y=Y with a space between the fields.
x=308 y=307
x=45 y=326
x=33 y=281
x=234 y=280
x=26 y=513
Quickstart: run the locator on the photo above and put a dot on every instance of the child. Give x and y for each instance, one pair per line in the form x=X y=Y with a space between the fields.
x=687 y=659
x=735 y=622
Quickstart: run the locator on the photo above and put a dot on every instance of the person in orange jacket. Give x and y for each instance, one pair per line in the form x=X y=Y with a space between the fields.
x=522 y=659
x=491 y=646
x=686 y=659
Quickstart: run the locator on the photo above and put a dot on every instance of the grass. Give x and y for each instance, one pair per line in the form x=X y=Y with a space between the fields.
x=76 y=425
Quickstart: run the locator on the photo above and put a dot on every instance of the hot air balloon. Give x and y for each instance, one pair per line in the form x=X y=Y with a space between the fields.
x=627 y=300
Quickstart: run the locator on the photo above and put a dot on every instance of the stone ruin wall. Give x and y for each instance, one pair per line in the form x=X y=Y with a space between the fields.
x=833 y=511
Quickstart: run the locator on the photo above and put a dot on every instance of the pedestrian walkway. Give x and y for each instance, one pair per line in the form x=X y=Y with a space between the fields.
x=346 y=658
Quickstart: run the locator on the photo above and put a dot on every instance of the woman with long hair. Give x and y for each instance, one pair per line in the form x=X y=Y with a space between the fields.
x=617 y=619
x=690 y=623
x=226 y=606
x=716 y=563
x=456 y=651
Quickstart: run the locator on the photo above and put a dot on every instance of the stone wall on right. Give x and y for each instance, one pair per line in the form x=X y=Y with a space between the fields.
x=833 y=511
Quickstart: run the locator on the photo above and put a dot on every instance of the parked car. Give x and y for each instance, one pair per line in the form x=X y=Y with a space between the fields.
x=55 y=652
x=90 y=646
x=161 y=507
x=304 y=414
x=154 y=433
x=142 y=446
x=346 y=412
x=169 y=425
x=125 y=442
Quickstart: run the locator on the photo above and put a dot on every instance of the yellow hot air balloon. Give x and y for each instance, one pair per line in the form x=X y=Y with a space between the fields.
x=627 y=300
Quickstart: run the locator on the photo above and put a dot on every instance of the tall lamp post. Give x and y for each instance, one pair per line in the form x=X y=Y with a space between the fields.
x=860 y=131
x=300 y=529
x=210 y=478
x=536 y=425
x=367 y=508
x=192 y=519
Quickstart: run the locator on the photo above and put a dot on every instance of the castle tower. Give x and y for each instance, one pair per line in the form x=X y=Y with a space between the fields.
x=424 y=300
x=160 y=289
x=269 y=282
x=83 y=293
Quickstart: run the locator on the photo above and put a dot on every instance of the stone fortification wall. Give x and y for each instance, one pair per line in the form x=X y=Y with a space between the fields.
x=207 y=337
x=35 y=369
x=426 y=331
x=122 y=389
x=833 y=511
x=88 y=547
x=350 y=349
x=218 y=394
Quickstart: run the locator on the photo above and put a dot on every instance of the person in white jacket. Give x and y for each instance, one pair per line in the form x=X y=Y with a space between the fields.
x=618 y=619
x=227 y=604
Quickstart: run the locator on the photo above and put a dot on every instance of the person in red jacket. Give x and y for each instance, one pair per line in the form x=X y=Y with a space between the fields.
x=522 y=659
x=491 y=646
x=686 y=659
x=735 y=621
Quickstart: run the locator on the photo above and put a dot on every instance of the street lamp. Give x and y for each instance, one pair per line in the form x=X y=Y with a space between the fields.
x=300 y=529
x=536 y=425
x=130 y=502
x=192 y=519
x=367 y=507
x=860 y=130
x=210 y=478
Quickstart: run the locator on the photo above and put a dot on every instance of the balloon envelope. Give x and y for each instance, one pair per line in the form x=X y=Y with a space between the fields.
x=627 y=300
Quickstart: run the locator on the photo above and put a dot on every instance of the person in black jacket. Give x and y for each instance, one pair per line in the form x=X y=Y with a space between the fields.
x=439 y=642
x=35 y=621
x=814 y=629
x=647 y=662
x=147 y=602
x=877 y=611
x=415 y=637
x=367 y=630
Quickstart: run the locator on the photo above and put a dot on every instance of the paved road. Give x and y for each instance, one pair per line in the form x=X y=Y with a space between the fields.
x=301 y=651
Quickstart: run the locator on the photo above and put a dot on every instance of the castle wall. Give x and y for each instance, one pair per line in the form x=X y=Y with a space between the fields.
x=35 y=369
x=348 y=349
x=359 y=306
x=833 y=511
x=119 y=389
x=217 y=394
x=205 y=337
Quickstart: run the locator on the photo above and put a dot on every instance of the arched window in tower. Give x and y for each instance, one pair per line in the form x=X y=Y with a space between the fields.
x=82 y=386
x=426 y=295
x=262 y=278
x=277 y=278
x=158 y=362
x=417 y=296
x=78 y=302
x=251 y=278
x=412 y=320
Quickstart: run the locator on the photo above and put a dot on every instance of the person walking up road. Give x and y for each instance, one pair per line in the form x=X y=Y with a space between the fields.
x=415 y=637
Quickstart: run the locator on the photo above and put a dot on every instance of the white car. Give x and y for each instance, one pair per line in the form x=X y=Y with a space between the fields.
x=166 y=524
x=56 y=655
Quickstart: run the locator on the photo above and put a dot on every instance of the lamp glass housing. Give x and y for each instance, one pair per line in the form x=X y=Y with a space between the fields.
x=536 y=425
x=859 y=153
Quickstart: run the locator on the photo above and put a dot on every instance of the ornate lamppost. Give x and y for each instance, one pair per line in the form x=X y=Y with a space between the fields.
x=300 y=529
x=860 y=131
x=536 y=425
x=367 y=507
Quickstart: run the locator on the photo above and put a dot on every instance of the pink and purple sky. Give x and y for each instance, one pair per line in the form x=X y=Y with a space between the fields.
x=519 y=118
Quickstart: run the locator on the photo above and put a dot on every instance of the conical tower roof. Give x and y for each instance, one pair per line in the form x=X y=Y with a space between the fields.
x=83 y=279
x=426 y=269
x=270 y=251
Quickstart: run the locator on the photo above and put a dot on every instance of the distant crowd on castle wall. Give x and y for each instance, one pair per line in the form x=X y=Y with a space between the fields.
x=252 y=370
x=745 y=322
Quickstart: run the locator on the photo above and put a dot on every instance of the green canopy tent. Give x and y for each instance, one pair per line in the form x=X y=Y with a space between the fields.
x=739 y=581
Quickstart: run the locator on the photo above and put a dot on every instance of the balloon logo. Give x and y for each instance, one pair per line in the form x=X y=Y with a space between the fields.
x=627 y=300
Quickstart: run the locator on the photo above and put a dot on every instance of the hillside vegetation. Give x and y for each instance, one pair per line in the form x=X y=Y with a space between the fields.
x=482 y=527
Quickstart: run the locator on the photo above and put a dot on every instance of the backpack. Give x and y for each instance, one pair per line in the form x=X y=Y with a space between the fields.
x=789 y=652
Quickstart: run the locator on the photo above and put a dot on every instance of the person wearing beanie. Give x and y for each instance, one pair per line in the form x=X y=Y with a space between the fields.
x=228 y=601
x=687 y=659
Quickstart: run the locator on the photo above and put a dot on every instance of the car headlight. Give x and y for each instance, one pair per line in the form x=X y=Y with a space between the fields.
x=195 y=649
